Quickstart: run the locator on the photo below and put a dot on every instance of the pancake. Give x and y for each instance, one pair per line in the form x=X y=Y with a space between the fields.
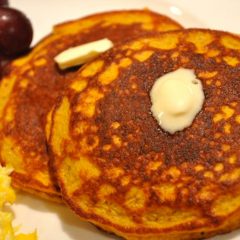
x=119 y=170
x=29 y=91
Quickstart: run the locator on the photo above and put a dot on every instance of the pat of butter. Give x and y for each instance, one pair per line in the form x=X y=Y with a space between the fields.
x=81 y=54
x=177 y=97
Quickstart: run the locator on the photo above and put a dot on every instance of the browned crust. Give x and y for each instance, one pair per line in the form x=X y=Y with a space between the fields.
x=34 y=102
x=35 y=187
x=158 y=16
x=198 y=151
x=50 y=196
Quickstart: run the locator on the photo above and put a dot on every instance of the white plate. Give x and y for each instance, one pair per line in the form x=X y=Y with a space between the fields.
x=56 y=222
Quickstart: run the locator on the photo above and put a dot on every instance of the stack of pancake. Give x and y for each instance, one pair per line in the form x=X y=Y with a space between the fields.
x=87 y=136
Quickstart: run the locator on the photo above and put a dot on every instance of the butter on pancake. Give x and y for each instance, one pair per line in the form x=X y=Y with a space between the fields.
x=29 y=92
x=177 y=97
x=119 y=170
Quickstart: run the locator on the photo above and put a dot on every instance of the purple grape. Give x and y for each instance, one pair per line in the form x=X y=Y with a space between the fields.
x=3 y=2
x=3 y=63
x=15 y=32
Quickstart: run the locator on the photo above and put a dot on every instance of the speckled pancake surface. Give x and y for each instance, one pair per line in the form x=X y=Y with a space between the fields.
x=29 y=92
x=118 y=169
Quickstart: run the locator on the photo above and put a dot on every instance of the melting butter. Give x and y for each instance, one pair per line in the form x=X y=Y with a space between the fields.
x=177 y=97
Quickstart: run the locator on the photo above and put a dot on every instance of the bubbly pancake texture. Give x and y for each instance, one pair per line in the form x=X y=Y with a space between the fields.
x=29 y=92
x=119 y=170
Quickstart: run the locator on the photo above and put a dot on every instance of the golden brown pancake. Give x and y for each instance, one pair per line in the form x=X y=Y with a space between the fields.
x=28 y=93
x=119 y=170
